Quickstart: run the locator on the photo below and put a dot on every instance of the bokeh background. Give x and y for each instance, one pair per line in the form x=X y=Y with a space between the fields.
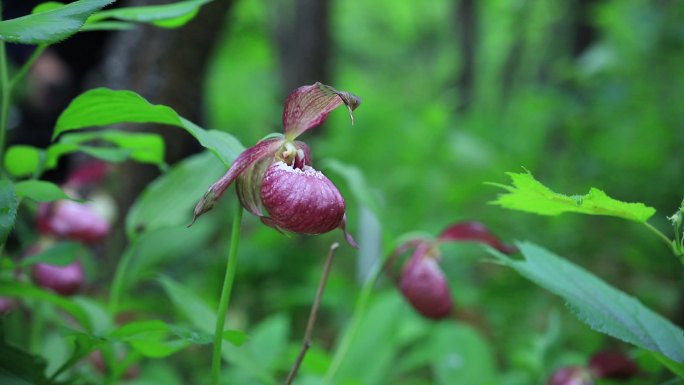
x=455 y=93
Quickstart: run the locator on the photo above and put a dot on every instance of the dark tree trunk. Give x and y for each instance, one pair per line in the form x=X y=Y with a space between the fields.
x=466 y=24
x=166 y=66
x=302 y=32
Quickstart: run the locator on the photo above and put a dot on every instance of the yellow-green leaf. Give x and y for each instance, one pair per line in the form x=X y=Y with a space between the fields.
x=530 y=195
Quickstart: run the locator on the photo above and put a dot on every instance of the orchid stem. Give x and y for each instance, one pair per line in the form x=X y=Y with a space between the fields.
x=228 y=279
x=26 y=67
x=118 y=282
x=313 y=315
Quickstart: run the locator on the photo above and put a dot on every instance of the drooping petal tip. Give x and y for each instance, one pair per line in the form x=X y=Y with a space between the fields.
x=308 y=106
x=347 y=236
x=205 y=204
x=473 y=231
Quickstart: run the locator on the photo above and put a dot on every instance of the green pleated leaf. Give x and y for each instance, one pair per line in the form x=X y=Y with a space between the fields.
x=21 y=160
x=108 y=26
x=235 y=337
x=140 y=146
x=169 y=200
x=8 y=209
x=149 y=338
x=18 y=367
x=51 y=24
x=103 y=106
x=356 y=182
x=596 y=303
x=40 y=191
x=22 y=290
x=167 y=15
x=59 y=254
x=190 y=305
x=528 y=194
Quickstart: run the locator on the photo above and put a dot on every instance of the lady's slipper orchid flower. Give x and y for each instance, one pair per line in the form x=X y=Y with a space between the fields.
x=421 y=280
x=274 y=178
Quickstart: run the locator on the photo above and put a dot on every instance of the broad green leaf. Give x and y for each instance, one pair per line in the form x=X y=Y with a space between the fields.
x=460 y=356
x=8 y=209
x=268 y=340
x=24 y=161
x=169 y=200
x=21 y=290
x=50 y=26
x=598 y=304
x=156 y=346
x=103 y=106
x=109 y=154
x=357 y=184
x=134 y=329
x=528 y=194
x=193 y=336
x=141 y=147
x=376 y=344
x=166 y=15
x=40 y=191
x=18 y=367
x=108 y=26
x=97 y=313
x=158 y=330
x=258 y=356
x=21 y=160
x=190 y=305
x=675 y=367
x=235 y=337
x=163 y=246
x=84 y=344
x=60 y=254
x=47 y=6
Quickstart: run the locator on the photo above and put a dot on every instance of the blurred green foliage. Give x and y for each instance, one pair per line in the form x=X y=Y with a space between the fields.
x=606 y=113
x=608 y=116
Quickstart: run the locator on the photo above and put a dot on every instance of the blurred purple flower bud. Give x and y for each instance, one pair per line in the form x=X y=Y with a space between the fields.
x=89 y=173
x=571 y=375
x=72 y=220
x=424 y=285
x=7 y=305
x=613 y=364
x=65 y=280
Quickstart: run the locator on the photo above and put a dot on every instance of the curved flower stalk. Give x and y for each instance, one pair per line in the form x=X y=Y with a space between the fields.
x=421 y=280
x=275 y=179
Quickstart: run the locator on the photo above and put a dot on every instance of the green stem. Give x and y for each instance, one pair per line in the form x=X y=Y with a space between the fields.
x=225 y=296
x=118 y=282
x=662 y=236
x=4 y=99
x=35 y=340
x=353 y=329
x=25 y=68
